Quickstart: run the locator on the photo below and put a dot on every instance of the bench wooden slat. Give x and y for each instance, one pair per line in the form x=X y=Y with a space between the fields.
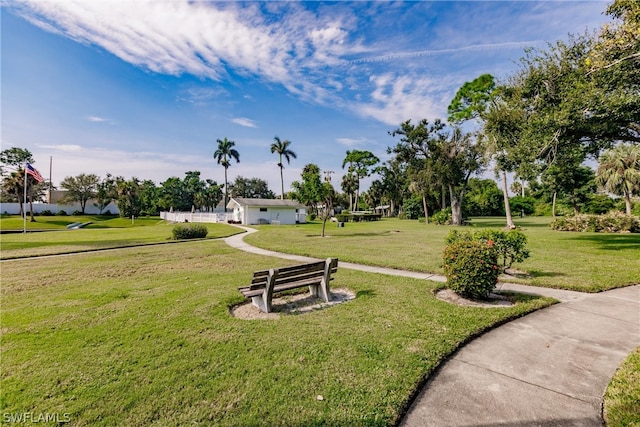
x=264 y=283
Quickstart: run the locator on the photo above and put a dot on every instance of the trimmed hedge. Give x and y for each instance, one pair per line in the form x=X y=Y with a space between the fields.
x=613 y=222
x=471 y=268
x=358 y=217
x=190 y=231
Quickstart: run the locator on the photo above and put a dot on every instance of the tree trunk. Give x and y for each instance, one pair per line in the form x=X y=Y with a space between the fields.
x=456 y=206
x=443 y=204
x=226 y=193
x=627 y=202
x=31 y=208
x=507 y=206
x=426 y=210
x=553 y=206
x=281 y=182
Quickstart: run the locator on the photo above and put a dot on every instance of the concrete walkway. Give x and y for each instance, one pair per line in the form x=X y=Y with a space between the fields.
x=549 y=368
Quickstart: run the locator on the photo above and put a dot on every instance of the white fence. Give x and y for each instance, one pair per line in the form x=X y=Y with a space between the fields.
x=196 y=216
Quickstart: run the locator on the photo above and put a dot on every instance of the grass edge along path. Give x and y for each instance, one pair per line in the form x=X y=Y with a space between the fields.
x=144 y=336
x=586 y=262
x=621 y=406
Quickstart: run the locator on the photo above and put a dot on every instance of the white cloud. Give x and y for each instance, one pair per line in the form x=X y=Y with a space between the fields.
x=243 y=121
x=352 y=142
x=96 y=119
x=395 y=99
x=63 y=147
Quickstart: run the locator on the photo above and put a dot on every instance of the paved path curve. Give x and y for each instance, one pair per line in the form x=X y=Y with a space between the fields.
x=549 y=368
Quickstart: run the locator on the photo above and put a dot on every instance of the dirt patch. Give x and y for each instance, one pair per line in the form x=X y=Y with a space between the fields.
x=291 y=304
x=495 y=300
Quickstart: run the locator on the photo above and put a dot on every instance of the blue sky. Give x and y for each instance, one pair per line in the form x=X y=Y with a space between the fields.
x=144 y=88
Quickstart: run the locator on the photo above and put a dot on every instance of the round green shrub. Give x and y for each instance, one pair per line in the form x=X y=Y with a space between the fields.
x=190 y=231
x=471 y=268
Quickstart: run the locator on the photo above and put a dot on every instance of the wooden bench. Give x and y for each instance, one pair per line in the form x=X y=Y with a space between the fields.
x=265 y=283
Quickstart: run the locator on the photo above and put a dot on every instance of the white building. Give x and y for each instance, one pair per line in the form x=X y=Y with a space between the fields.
x=267 y=211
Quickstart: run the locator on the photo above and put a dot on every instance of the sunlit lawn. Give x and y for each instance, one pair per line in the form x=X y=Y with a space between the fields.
x=581 y=261
x=622 y=398
x=143 y=336
x=101 y=234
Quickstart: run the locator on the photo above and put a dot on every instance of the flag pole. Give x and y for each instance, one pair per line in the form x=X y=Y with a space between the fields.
x=24 y=206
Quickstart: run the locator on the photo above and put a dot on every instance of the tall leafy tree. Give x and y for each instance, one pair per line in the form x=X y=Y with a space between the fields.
x=251 y=188
x=360 y=166
x=80 y=189
x=129 y=197
x=451 y=155
x=309 y=191
x=479 y=100
x=105 y=192
x=282 y=148
x=224 y=154
x=619 y=172
x=15 y=158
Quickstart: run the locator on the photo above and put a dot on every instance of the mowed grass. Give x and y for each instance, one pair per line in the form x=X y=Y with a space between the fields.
x=588 y=262
x=143 y=336
x=622 y=398
x=102 y=234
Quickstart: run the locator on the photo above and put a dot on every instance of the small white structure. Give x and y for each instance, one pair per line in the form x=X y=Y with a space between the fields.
x=267 y=211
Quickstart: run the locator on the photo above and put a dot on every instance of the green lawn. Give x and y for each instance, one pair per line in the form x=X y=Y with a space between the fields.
x=581 y=261
x=103 y=233
x=622 y=398
x=143 y=336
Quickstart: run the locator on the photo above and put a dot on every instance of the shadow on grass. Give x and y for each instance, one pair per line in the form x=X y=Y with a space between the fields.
x=365 y=293
x=611 y=241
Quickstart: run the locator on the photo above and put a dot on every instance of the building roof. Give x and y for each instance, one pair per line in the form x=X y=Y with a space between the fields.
x=264 y=203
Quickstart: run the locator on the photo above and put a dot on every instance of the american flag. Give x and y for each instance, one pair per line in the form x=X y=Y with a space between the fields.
x=34 y=173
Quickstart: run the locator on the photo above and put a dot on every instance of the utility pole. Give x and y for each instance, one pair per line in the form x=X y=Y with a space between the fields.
x=327 y=175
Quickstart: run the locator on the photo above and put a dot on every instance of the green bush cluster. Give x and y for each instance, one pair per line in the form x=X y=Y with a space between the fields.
x=471 y=268
x=613 y=222
x=510 y=245
x=442 y=217
x=190 y=231
x=348 y=217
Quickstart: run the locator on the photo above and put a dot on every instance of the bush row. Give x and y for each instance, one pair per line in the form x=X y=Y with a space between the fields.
x=358 y=217
x=190 y=231
x=613 y=222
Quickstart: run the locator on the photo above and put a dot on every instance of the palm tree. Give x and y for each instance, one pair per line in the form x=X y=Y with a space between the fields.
x=282 y=148
x=619 y=172
x=223 y=155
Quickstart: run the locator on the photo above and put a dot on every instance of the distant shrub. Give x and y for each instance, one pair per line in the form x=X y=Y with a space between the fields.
x=471 y=268
x=61 y=213
x=46 y=212
x=613 y=222
x=77 y=213
x=107 y=213
x=190 y=231
x=510 y=245
x=348 y=217
x=442 y=217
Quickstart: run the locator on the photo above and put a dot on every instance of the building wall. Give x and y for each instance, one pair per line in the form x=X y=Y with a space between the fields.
x=250 y=215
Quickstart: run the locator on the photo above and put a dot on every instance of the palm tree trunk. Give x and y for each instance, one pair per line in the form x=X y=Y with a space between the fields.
x=553 y=206
x=507 y=206
x=627 y=202
x=281 y=182
x=226 y=194
x=426 y=209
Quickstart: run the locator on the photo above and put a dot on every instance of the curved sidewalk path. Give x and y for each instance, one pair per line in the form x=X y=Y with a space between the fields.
x=549 y=368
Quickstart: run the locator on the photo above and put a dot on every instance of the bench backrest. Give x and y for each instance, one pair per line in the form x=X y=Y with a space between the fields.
x=295 y=273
